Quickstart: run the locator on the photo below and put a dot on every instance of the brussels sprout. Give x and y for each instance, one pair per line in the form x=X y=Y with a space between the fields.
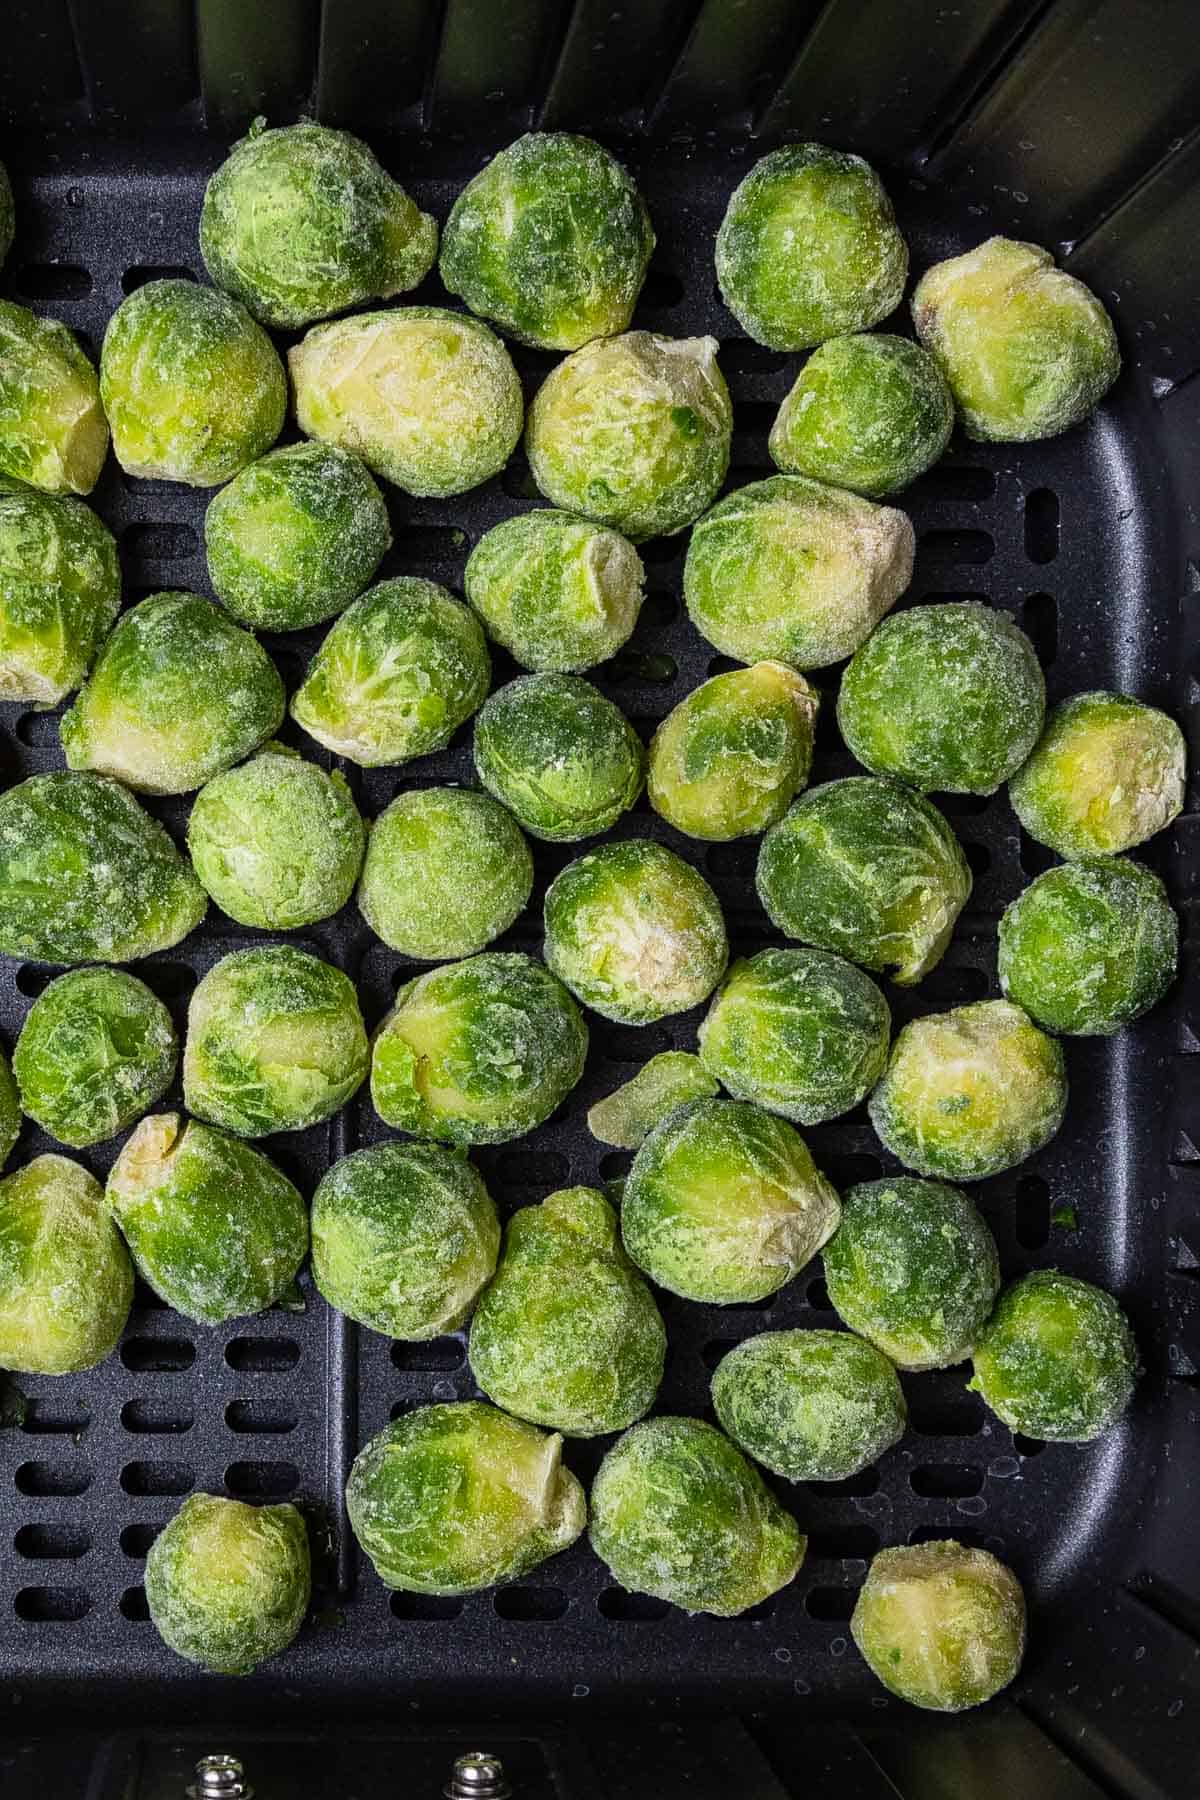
x=228 y=1584
x=87 y=876
x=10 y=1111
x=447 y=871
x=396 y=676
x=1027 y=350
x=633 y=431
x=667 y=1082
x=295 y=537
x=404 y=1237
x=302 y=222
x=97 y=1049
x=1057 y=1359
x=192 y=386
x=53 y=433
x=60 y=591
x=275 y=1042
x=791 y=570
x=970 y=1092
x=556 y=590
x=213 y=1226
x=7 y=214
x=66 y=1283
x=277 y=842
x=478 y=1052
x=1107 y=773
x=940 y=1625
x=178 y=693
x=724 y=1203
x=868 y=870
x=913 y=1268
x=558 y=755
x=809 y=248
x=453 y=1498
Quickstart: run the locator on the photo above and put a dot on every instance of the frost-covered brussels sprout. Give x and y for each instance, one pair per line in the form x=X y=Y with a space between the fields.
x=97 y=1049
x=809 y=1405
x=178 y=693
x=447 y=870
x=66 y=1283
x=559 y=755
x=453 y=1498
x=791 y=570
x=60 y=590
x=53 y=433
x=940 y=1625
x=87 y=876
x=10 y=1110
x=275 y=1042
x=1057 y=1359
x=396 y=675
x=7 y=214
x=478 y=1052
x=404 y=1237
x=633 y=431
x=1107 y=773
x=869 y=870
x=1028 y=351
x=970 y=1092
x=213 y=1226
x=724 y=1203
x=668 y=1081
x=192 y=386
x=558 y=591
x=302 y=222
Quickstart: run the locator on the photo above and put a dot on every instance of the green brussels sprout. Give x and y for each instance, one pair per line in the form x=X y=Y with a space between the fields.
x=404 y=1238
x=1057 y=1360
x=970 y=1092
x=178 y=693
x=10 y=1110
x=212 y=1225
x=60 y=591
x=724 y=1204
x=396 y=675
x=914 y=1269
x=428 y=398
x=277 y=842
x=97 y=1049
x=8 y=222
x=940 y=1625
x=295 y=537
x=792 y=571
x=869 y=413
x=1107 y=773
x=732 y=756
x=302 y=222
x=633 y=431
x=868 y=870
x=1028 y=351
x=66 y=1283
x=478 y=1052
x=275 y=1042
x=53 y=432
x=559 y=755
x=668 y=1081
x=447 y=870
x=558 y=591
x=228 y=1584
x=192 y=386
x=809 y=248
x=679 y=1513
x=635 y=932
x=449 y=1499
x=87 y=876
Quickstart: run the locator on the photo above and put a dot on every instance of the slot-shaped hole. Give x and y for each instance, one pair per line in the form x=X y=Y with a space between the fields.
x=157 y=1478
x=616 y=1164
x=134 y=1605
x=517 y=480
x=847 y=1170
x=534 y=1605
x=1041 y=525
x=57 y=1416
x=817 y=1294
x=956 y=982
x=947 y=482
x=853 y=1487
x=158 y=1356
x=155 y=1417
x=843 y=1543
x=533 y=1168
x=1035 y=858
x=962 y=806
x=141 y=273
x=262 y=1356
x=947 y=1415
x=265 y=1416
x=429 y=543
x=630 y=1609
x=979 y=858
x=662 y=549
x=52 y=1606
x=52 y=1543
x=745 y=357
x=953 y=549
x=946 y=1481
x=136 y=1539
x=425 y=1607
x=830 y=1603
x=736 y=858
x=662 y=289
x=1032 y=1212
x=660 y=608
x=43 y=1480
x=651 y=668
x=723 y=665
x=160 y=542
x=634 y=1043
x=1027 y=1446
x=437 y=1356
x=53 y=281
x=1039 y=622
x=262 y=1480
x=32 y=979
x=169 y=980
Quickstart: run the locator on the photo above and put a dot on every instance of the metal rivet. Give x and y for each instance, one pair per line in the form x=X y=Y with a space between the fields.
x=477 y=1776
x=220 y=1778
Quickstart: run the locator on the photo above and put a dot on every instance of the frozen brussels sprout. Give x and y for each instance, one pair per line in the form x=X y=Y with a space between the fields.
x=1057 y=1359
x=559 y=755
x=970 y=1092
x=478 y=1052
x=724 y=1204
x=178 y=693
x=302 y=222
x=940 y=1625
x=1028 y=351
x=192 y=386
x=10 y=1110
x=53 y=433
x=228 y=1584
x=60 y=590
x=791 y=570
x=1108 y=772
x=913 y=1268
x=558 y=591
x=404 y=1237
x=869 y=870
x=212 y=1225
x=7 y=214
x=396 y=675
x=453 y=1498
x=97 y=1049
x=66 y=1283
x=633 y=431
x=447 y=871
x=87 y=876
x=668 y=1081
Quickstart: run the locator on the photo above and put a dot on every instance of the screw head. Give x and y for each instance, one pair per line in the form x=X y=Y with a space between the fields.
x=477 y=1776
x=220 y=1777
